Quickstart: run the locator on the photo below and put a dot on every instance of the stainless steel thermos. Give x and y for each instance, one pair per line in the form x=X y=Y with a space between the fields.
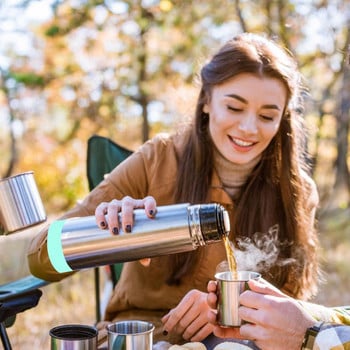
x=78 y=243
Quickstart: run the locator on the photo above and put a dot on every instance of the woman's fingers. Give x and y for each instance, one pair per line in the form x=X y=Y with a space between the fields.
x=211 y=287
x=189 y=317
x=212 y=300
x=102 y=210
x=127 y=212
x=112 y=215
x=107 y=214
x=150 y=206
x=212 y=316
x=212 y=297
x=100 y=215
x=202 y=333
x=128 y=206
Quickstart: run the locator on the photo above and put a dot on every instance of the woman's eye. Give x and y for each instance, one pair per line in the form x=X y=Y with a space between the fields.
x=234 y=109
x=266 y=117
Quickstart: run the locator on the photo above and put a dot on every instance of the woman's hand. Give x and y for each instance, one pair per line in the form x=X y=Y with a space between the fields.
x=188 y=318
x=106 y=213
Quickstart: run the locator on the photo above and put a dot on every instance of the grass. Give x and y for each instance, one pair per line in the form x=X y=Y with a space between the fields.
x=72 y=300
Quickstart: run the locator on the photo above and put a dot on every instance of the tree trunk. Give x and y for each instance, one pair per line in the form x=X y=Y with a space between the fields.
x=341 y=194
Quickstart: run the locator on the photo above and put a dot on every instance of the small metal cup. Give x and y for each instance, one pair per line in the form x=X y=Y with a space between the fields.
x=130 y=335
x=74 y=337
x=20 y=203
x=228 y=292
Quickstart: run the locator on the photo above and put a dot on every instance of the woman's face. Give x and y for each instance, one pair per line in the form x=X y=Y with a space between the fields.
x=244 y=115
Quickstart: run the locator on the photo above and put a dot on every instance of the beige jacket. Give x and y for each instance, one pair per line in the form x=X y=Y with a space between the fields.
x=141 y=292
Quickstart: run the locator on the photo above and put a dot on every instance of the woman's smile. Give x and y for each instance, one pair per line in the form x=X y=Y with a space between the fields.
x=241 y=145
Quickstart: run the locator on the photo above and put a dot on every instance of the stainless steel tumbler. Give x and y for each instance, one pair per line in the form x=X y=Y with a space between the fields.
x=74 y=337
x=79 y=243
x=130 y=335
x=228 y=292
x=20 y=203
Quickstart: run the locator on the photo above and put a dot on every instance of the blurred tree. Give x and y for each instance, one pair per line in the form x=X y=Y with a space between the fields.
x=117 y=59
x=342 y=179
x=127 y=70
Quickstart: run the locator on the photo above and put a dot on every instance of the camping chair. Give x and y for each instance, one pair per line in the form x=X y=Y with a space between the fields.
x=16 y=297
x=103 y=155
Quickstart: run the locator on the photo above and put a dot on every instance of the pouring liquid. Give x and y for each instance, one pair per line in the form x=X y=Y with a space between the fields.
x=232 y=264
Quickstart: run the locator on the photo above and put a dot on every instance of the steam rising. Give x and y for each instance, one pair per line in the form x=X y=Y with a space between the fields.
x=258 y=253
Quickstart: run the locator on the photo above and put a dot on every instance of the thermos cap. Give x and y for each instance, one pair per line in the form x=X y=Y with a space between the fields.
x=214 y=221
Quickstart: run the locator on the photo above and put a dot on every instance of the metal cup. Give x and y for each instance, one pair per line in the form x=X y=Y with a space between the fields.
x=228 y=292
x=130 y=335
x=74 y=337
x=20 y=203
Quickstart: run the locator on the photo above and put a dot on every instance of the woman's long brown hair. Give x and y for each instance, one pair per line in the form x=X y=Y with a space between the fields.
x=275 y=191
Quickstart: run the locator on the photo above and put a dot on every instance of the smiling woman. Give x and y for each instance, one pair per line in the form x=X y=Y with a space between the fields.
x=242 y=150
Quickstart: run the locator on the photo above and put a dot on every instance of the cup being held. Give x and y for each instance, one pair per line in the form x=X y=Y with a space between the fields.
x=229 y=288
x=130 y=335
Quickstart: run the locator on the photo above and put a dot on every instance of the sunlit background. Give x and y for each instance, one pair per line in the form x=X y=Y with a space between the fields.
x=128 y=70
